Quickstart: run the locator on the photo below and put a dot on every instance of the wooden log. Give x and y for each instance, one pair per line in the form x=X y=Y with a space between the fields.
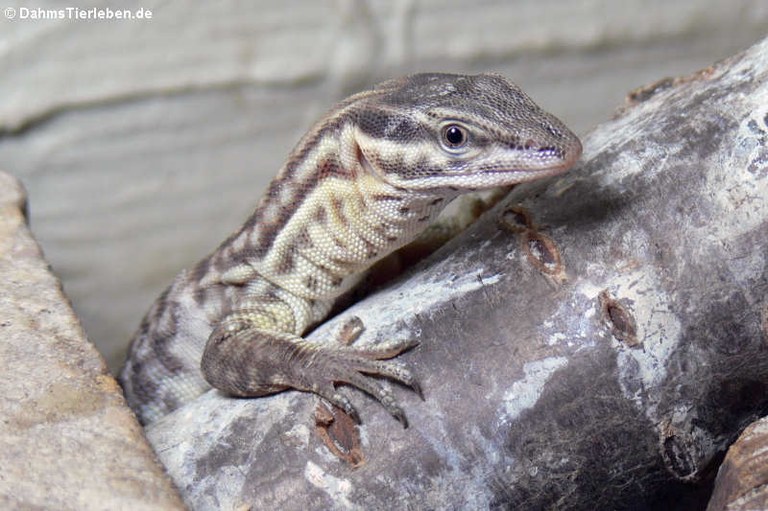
x=742 y=481
x=594 y=342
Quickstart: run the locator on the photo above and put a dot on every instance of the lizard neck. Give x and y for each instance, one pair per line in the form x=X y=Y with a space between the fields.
x=326 y=217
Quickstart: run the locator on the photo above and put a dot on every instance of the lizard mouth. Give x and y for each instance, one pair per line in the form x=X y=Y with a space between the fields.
x=549 y=164
x=532 y=165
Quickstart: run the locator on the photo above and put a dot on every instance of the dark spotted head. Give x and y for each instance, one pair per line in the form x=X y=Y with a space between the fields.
x=439 y=131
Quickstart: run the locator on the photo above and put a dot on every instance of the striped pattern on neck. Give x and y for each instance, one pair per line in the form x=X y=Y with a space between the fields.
x=378 y=169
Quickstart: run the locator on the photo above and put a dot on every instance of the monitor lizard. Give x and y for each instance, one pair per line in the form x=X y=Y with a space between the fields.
x=367 y=179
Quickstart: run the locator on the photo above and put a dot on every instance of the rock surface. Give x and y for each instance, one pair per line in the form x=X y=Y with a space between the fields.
x=67 y=440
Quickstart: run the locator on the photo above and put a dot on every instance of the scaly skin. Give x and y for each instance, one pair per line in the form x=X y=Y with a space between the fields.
x=363 y=182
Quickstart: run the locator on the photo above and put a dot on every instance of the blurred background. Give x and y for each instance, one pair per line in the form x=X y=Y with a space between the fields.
x=143 y=143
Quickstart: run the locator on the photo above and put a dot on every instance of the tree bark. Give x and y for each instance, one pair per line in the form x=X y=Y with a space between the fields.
x=600 y=350
x=742 y=481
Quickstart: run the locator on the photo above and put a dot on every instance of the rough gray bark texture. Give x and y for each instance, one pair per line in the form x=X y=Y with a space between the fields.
x=601 y=351
x=742 y=481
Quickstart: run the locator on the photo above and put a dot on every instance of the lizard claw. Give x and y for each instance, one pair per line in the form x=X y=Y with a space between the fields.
x=356 y=366
x=291 y=361
x=400 y=417
x=416 y=387
x=350 y=331
x=344 y=403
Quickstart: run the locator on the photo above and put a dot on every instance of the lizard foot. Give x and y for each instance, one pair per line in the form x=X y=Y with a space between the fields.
x=352 y=365
x=243 y=360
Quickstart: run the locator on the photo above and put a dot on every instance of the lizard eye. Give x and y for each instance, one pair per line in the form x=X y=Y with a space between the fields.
x=454 y=136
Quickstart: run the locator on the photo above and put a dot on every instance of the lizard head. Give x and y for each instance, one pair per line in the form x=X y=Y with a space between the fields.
x=438 y=132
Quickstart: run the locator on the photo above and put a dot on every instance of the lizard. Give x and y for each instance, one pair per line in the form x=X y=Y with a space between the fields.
x=364 y=181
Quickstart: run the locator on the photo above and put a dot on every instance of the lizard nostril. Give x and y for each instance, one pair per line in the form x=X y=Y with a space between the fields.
x=523 y=145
